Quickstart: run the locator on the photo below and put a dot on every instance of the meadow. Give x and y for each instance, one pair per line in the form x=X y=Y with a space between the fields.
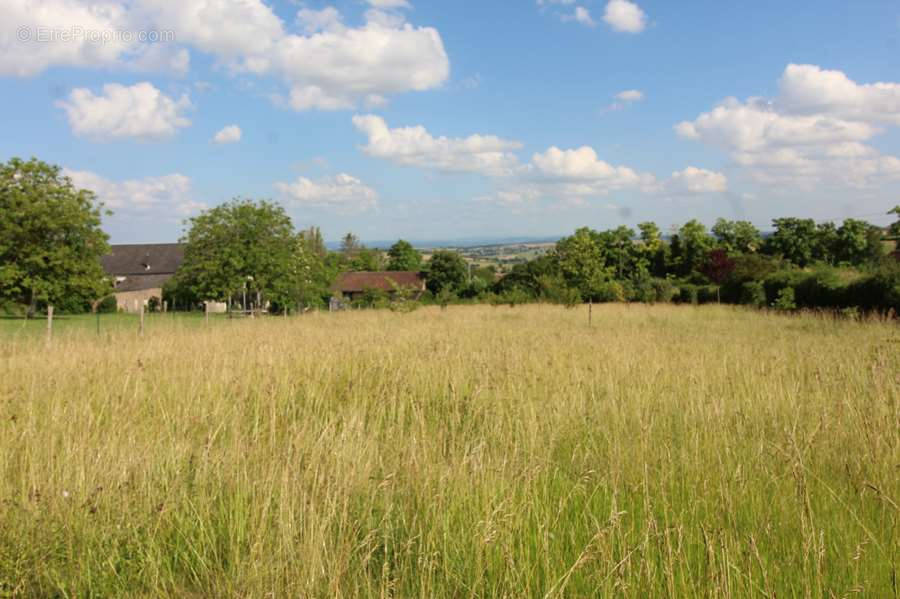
x=476 y=451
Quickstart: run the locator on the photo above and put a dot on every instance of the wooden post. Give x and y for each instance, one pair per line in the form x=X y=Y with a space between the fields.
x=49 y=323
x=141 y=331
x=206 y=304
x=590 y=311
x=165 y=306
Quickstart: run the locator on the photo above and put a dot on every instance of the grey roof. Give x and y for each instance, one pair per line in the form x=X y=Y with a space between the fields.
x=141 y=282
x=143 y=259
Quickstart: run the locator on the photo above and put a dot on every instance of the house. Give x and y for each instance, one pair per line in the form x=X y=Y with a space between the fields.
x=139 y=271
x=352 y=285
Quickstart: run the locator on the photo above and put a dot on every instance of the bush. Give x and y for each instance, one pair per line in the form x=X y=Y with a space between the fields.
x=610 y=291
x=753 y=294
x=687 y=294
x=785 y=300
x=108 y=305
x=664 y=290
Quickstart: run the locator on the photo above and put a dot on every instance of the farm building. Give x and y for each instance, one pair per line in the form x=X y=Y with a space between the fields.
x=139 y=271
x=352 y=285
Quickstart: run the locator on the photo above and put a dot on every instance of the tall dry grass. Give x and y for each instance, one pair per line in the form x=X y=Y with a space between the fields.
x=471 y=452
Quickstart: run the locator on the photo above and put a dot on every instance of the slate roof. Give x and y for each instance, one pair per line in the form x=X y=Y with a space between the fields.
x=141 y=282
x=355 y=282
x=143 y=259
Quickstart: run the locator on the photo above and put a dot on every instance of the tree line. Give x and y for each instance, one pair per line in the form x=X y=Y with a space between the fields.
x=51 y=242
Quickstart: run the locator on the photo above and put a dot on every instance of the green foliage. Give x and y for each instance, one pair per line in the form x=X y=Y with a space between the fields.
x=753 y=294
x=794 y=239
x=894 y=228
x=689 y=248
x=403 y=256
x=737 y=237
x=447 y=271
x=785 y=300
x=50 y=238
x=107 y=305
x=241 y=245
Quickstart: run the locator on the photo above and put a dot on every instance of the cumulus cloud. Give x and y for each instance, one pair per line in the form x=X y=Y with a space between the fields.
x=39 y=34
x=814 y=131
x=228 y=135
x=580 y=172
x=693 y=180
x=415 y=146
x=324 y=65
x=160 y=195
x=625 y=16
x=140 y=111
x=343 y=193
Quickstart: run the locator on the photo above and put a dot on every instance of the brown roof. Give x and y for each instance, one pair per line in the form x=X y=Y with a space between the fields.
x=386 y=280
x=143 y=259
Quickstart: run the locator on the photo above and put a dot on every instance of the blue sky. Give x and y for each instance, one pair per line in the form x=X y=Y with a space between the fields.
x=443 y=120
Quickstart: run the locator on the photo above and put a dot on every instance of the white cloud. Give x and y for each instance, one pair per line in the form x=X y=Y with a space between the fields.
x=343 y=193
x=625 y=16
x=39 y=34
x=580 y=15
x=326 y=65
x=582 y=165
x=228 y=135
x=693 y=180
x=313 y=21
x=415 y=146
x=630 y=95
x=161 y=195
x=139 y=111
x=814 y=131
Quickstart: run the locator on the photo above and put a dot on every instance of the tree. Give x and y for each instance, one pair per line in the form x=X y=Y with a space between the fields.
x=50 y=237
x=241 y=245
x=655 y=250
x=446 y=272
x=690 y=246
x=582 y=263
x=794 y=239
x=855 y=243
x=350 y=245
x=737 y=237
x=403 y=256
x=894 y=229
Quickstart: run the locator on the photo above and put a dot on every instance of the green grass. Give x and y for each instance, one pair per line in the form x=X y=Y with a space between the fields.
x=468 y=452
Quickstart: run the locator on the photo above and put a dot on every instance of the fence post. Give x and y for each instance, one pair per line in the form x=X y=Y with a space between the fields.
x=141 y=332
x=590 y=312
x=49 y=324
x=206 y=305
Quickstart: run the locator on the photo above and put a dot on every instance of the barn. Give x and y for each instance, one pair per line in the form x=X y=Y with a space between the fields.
x=350 y=286
x=139 y=271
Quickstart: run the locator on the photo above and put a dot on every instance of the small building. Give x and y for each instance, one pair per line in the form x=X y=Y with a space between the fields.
x=139 y=271
x=353 y=285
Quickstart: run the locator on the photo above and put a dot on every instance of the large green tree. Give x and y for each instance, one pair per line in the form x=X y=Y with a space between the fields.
x=737 y=237
x=50 y=237
x=242 y=245
x=447 y=272
x=403 y=256
x=690 y=246
x=794 y=239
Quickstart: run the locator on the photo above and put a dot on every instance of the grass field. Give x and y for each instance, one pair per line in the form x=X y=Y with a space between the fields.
x=471 y=452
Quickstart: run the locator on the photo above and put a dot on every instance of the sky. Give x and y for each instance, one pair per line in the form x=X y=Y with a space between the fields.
x=430 y=120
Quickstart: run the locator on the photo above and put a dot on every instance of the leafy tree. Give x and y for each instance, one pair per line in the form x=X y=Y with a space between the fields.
x=367 y=259
x=655 y=250
x=856 y=243
x=350 y=245
x=447 y=272
x=717 y=268
x=737 y=237
x=894 y=229
x=241 y=245
x=582 y=263
x=795 y=239
x=50 y=237
x=690 y=246
x=403 y=256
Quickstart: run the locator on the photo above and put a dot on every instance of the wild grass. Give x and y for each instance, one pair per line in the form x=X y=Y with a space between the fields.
x=468 y=452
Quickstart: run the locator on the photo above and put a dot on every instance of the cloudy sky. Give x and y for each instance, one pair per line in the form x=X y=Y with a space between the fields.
x=445 y=120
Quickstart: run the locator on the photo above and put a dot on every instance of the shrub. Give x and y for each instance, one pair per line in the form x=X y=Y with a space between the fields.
x=753 y=294
x=107 y=305
x=785 y=300
x=664 y=290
